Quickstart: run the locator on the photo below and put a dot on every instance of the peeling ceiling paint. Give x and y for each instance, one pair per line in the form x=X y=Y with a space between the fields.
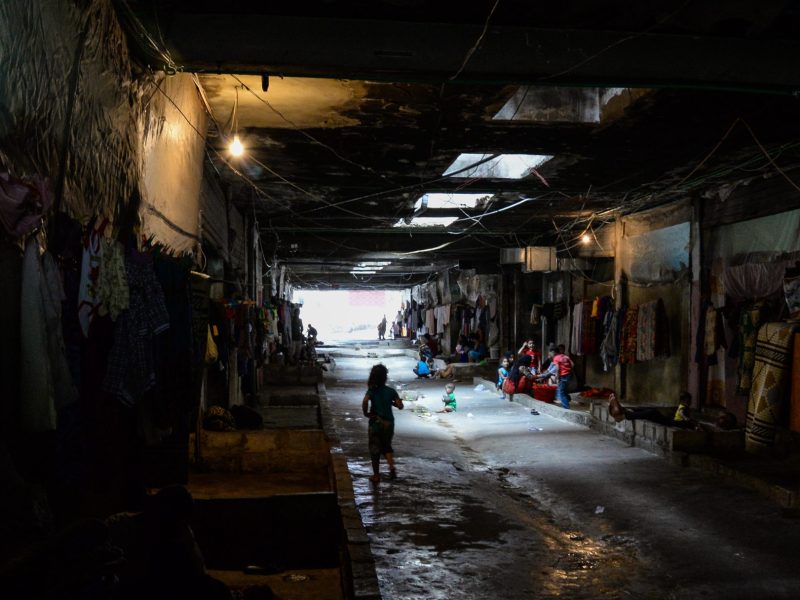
x=306 y=102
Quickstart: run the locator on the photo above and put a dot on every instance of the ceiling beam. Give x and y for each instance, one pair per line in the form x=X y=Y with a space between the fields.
x=432 y=52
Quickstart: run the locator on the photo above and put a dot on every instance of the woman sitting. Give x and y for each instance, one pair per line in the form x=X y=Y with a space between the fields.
x=520 y=377
x=462 y=350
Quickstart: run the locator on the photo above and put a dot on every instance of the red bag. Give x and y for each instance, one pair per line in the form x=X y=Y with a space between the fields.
x=524 y=385
x=545 y=393
x=508 y=386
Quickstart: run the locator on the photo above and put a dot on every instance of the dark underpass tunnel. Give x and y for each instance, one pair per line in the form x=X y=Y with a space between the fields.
x=569 y=233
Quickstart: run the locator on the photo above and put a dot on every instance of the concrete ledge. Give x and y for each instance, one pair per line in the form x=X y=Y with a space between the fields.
x=264 y=451
x=361 y=577
x=784 y=497
x=554 y=410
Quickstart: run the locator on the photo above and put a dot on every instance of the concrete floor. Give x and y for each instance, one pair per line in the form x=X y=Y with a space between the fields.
x=493 y=502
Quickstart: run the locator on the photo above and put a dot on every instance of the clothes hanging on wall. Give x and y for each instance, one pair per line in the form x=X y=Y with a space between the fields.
x=45 y=379
x=430 y=320
x=646 y=332
x=131 y=368
x=536 y=314
x=609 y=348
x=628 y=342
x=111 y=287
x=710 y=335
x=88 y=304
x=589 y=326
x=752 y=317
x=575 y=344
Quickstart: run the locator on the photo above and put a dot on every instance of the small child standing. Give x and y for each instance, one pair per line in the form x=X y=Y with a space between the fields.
x=449 y=399
x=502 y=374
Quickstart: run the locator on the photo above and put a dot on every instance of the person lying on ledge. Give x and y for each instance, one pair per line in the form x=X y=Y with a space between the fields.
x=680 y=419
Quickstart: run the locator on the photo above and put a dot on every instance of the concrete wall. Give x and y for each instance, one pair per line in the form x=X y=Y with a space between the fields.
x=659 y=381
x=593 y=373
x=172 y=154
x=653 y=256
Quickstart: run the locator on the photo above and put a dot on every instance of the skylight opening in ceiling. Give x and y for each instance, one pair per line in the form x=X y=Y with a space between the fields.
x=427 y=222
x=369 y=267
x=444 y=200
x=503 y=166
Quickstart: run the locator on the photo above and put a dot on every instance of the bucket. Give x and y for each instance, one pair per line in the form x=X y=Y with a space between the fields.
x=494 y=352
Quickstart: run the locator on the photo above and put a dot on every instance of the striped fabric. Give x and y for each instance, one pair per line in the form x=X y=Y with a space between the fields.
x=768 y=392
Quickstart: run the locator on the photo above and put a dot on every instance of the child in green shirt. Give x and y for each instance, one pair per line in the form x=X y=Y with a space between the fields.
x=449 y=398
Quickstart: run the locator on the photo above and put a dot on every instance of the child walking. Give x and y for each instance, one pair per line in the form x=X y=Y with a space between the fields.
x=377 y=407
x=449 y=398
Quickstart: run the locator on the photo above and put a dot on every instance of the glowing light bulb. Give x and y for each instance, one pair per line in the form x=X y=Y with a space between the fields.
x=236 y=149
x=586 y=238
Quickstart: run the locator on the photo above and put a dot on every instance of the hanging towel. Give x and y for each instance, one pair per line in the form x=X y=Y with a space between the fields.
x=576 y=346
x=627 y=343
x=45 y=380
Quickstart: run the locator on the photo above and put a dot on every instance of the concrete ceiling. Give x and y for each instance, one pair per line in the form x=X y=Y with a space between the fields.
x=333 y=161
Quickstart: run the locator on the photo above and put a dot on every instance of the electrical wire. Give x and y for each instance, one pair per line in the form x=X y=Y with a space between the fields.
x=474 y=48
x=302 y=131
x=616 y=43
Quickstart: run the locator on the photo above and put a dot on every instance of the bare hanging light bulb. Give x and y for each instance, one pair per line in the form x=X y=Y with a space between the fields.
x=586 y=238
x=236 y=148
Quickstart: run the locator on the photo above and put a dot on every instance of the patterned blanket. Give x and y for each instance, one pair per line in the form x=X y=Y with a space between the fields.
x=768 y=392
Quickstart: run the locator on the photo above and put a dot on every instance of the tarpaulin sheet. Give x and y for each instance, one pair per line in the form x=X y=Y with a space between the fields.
x=658 y=256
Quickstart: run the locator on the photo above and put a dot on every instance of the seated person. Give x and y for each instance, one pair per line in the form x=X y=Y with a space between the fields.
x=424 y=352
x=521 y=375
x=478 y=353
x=550 y=374
x=432 y=343
x=423 y=368
x=461 y=350
x=548 y=360
x=449 y=399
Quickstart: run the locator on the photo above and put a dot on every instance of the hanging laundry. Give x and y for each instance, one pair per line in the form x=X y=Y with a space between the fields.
x=646 y=332
x=45 y=379
x=627 y=344
x=536 y=314
x=609 y=348
x=560 y=310
x=88 y=304
x=111 y=288
x=595 y=308
x=23 y=203
x=589 y=328
x=710 y=335
x=430 y=320
x=752 y=317
x=130 y=368
x=576 y=339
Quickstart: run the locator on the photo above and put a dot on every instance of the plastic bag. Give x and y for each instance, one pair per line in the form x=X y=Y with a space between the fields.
x=212 y=352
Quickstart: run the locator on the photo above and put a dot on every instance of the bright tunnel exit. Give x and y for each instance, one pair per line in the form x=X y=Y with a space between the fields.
x=348 y=314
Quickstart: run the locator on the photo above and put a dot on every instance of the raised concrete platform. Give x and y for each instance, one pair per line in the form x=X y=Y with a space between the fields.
x=258 y=485
x=702 y=450
x=320 y=584
x=362 y=577
x=264 y=451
